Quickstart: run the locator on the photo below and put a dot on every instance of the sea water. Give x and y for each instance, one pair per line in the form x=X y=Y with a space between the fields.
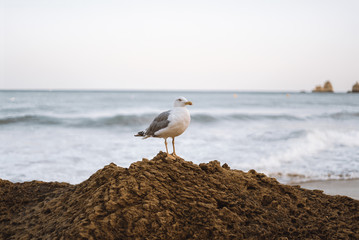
x=68 y=135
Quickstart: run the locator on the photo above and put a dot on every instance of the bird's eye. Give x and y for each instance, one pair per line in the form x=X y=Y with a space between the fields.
x=179 y=99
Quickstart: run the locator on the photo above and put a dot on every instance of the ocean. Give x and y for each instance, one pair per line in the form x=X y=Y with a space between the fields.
x=66 y=136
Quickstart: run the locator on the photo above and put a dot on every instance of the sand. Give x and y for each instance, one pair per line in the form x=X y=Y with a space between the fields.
x=348 y=188
x=164 y=198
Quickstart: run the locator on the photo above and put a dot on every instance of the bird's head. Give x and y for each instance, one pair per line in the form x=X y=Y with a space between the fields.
x=181 y=102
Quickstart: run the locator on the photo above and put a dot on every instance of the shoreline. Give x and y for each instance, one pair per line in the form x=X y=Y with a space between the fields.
x=349 y=188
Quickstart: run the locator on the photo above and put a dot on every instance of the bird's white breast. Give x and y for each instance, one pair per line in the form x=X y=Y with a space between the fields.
x=179 y=119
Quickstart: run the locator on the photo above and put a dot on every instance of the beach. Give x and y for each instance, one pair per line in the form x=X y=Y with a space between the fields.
x=179 y=120
x=348 y=188
x=71 y=167
x=167 y=198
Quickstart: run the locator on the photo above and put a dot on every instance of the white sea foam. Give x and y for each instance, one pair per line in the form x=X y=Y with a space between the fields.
x=312 y=153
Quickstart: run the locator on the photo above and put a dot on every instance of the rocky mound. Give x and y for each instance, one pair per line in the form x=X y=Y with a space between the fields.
x=173 y=199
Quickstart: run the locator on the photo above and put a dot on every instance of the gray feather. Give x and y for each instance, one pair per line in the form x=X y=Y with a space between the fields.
x=160 y=122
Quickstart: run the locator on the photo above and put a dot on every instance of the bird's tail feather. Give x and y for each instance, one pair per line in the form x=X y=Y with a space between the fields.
x=140 y=134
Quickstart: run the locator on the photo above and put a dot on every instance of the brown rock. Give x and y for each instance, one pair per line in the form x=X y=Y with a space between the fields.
x=355 y=88
x=173 y=199
x=318 y=88
x=326 y=88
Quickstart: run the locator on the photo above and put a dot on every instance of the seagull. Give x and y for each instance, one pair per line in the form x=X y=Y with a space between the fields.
x=171 y=123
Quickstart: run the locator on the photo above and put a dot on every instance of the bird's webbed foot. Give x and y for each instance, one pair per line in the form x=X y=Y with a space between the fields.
x=170 y=156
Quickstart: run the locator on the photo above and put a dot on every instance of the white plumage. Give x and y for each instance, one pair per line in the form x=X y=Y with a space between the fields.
x=171 y=123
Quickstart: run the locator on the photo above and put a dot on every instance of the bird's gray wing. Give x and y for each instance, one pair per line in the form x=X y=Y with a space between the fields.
x=160 y=122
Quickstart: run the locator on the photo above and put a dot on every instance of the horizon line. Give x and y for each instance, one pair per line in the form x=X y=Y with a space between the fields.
x=157 y=90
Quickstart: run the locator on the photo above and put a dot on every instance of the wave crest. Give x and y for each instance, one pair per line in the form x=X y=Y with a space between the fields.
x=146 y=118
x=122 y=120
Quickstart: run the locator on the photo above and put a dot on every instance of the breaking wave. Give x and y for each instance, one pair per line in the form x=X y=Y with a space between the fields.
x=303 y=152
x=122 y=120
x=138 y=119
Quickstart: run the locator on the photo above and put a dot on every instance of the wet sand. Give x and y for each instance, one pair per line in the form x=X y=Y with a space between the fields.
x=348 y=188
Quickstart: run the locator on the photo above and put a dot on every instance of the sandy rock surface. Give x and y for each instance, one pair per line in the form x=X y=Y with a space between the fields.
x=173 y=199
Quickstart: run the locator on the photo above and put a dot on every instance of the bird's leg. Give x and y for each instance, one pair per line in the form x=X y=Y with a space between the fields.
x=173 y=145
x=168 y=155
x=166 y=146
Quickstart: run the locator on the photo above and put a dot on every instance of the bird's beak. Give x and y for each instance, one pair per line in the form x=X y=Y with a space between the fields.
x=188 y=103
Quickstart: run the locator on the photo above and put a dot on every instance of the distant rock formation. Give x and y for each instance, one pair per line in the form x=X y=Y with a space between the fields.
x=326 y=88
x=318 y=88
x=355 y=88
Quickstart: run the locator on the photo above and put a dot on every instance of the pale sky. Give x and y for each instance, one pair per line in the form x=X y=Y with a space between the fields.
x=210 y=45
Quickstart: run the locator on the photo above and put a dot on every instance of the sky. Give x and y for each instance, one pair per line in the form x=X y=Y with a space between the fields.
x=249 y=45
